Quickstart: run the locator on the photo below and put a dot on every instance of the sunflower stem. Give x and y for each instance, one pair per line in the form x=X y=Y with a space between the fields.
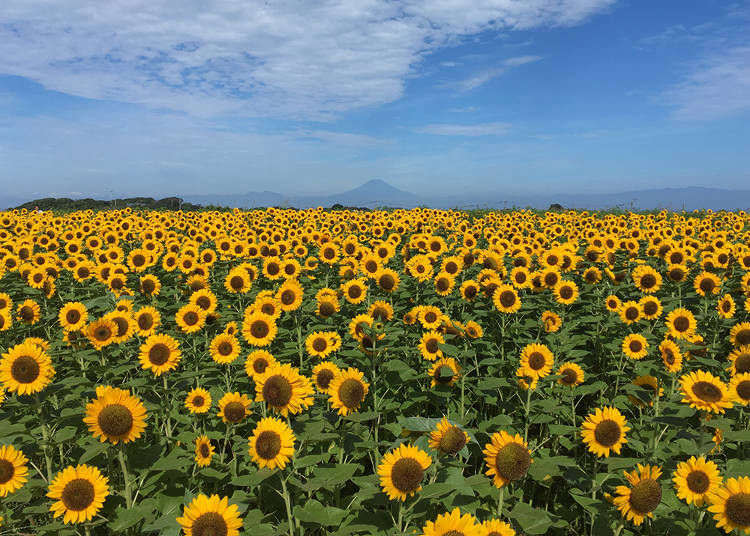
x=125 y=476
x=500 y=501
x=526 y=412
x=288 y=504
x=45 y=438
x=167 y=420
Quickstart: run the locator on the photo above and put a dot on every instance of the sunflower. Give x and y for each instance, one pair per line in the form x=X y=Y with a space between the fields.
x=469 y=290
x=28 y=312
x=233 y=407
x=695 y=479
x=149 y=285
x=448 y=438
x=6 y=302
x=210 y=515
x=73 y=316
x=635 y=346
x=706 y=283
x=224 y=348
x=604 y=431
x=430 y=316
x=651 y=385
x=290 y=295
x=671 y=355
x=401 y=471
x=429 y=345
x=115 y=415
x=318 y=344
x=381 y=310
x=704 y=391
x=146 y=321
x=647 y=279
x=198 y=400
x=651 y=307
x=730 y=504
x=473 y=330
x=259 y=329
x=612 y=303
x=739 y=388
x=565 y=292
x=453 y=524
x=6 y=320
x=508 y=458
x=101 y=333
x=272 y=443
x=739 y=335
x=327 y=307
x=506 y=299
x=79 y=493
x=13 y=470
x=323 y=373
x=444 y=371
x=726 y=307
x=638 y=501
x=204 y=451
x=387 y=280
x=237 y=281
x=551 y=322
x=284 y=389
x=444 y=283
x=495 y=527
x=681 y=323
x=26 y=369
x=258 y=361
x=160 y=354
x=354 y=291
x=190 y=318
x=347 y=391
x=537 y=360
x=630 y=312
x=205 y=299
x=570 y=374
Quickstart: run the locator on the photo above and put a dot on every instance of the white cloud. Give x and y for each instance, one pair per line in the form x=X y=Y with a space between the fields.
x=719 y=86
x=479 y=129
x=485 y=76
x=283 y=58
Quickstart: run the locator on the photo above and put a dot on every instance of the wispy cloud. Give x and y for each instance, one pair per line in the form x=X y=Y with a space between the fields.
x=341 y=138
x=485 y=76
x=479 y=129
x=310 y=60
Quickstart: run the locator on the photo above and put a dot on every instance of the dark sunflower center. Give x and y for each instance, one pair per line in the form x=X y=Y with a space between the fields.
x=743 y=389
x=607 y=433
x=122 y=325
x=387 y=282
x=681 y=324
x=78 y=494
x=371 y=266
x=442 y=284
x=512 y=461
x=73 y=316
x=234 y=411
x=210 y=524
x=268 y=309
x=277 y=391
x=287 y=297
x=431 y=345
x=470 y=292
x=550 y=279
x=204 y=302
x=145 y=321
x=443 y=374
x=568 y=377
x=148 y=286
x=669 y=357
x=430 y=317
x=190 y=318
x=115 y=420
x=324 y=378
x=537 y=361
x=648 y=281
x=453 y=440
x=139 y=260
x=635 y=346
x=726 y=306
x=631 y=313
x=707 y=285
x=158 y=354
x=268 y=444
x=645 y=496
x=327 y=309
x=198 y=401
x=102 y=333
x=329 y=253
x=698 y=481
x=650 y=308
x=566 y=293
x=117 y=283
x=319 y=344
x=355 y=291
x=407 y=474
x=453 y=533
x=743 y=337
x=205 y=451
x=612 y=304
x=507 y=298
x=25 y=369
x=737 y=509
x=7 y=470
x=273 y=269
x=225 y=348
x=27 y=313
x=259 y=329
x=351 y=393
x=707 y=391
x=260 y=365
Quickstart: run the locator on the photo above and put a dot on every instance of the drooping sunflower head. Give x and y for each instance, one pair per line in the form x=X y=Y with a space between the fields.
x=115 y=415
x=347 y=391
x=448 y=438
x=272 y=443
x=648 y=392
x=210 y=515
x=640 y=499
x=402 y=470
x=508 y=458
x=551 y=321
x=604 y=431
x=79 y=493
x=671 y=355
x=198 y=400
x=234 y=407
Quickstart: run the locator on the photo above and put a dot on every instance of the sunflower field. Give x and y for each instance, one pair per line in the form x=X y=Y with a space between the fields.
x=420 y=372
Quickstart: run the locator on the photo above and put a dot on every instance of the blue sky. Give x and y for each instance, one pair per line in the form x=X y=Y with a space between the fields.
x=185 y=97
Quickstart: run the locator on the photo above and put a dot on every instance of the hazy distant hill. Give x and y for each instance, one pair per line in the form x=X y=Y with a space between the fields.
x=378 y=193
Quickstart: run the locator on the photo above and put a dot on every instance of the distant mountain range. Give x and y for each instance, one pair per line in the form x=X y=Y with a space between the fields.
x=378 y=193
